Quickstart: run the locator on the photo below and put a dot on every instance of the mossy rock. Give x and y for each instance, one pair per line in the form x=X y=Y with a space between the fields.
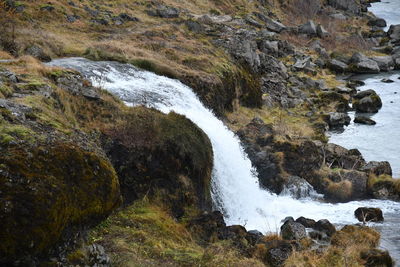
x=49 y=192
x=165 y=157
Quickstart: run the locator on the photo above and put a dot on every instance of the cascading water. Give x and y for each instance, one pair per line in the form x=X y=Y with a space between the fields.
x=235 y=188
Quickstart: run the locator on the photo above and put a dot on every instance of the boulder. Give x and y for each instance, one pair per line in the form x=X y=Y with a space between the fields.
x=308 y=28
x=298 y=188
x=159 y=160
x=293 y=231
x=379 y=22
x=362 y=64
x=337 y=119
x=338 y=66
x=270 y=24
x=394 y=32
x=38 y=53
x=351 y=6
x=164 y=12
x=278 y=251
x=364 y=120
x=365 y=214
x=367 y=101
x=377 y=168
x=307 y=223
x=49 y=193
x=339 y=157
x=304 y=64
x=387 y=81
x=321 y=32
x=385 y=63
x=325 y=226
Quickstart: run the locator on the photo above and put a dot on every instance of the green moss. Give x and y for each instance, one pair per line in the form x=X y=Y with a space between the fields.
x=51 y=189
x=9 y=133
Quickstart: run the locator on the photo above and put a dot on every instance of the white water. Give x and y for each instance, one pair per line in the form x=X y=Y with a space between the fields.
x=235 y=187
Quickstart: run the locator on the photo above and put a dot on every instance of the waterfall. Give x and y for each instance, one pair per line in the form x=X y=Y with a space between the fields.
x=235 y=188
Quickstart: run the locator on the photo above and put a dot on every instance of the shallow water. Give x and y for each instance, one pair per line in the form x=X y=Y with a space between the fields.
x=381 y=141
x=388 y=10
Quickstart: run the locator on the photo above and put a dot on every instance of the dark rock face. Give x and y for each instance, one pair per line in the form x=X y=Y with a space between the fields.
x=291 y=230
x=48 y=194
x=161 y=156
x=365 y=214
x=367 y=101
x=377 y=257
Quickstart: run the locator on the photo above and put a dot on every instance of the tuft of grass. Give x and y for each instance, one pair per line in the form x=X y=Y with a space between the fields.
x=340 y=191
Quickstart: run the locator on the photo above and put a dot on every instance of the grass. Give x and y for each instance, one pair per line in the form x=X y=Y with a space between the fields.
x=347 y=246
x=144 y=234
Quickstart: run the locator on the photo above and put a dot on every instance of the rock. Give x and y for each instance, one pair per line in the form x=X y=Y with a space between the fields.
x=394 y=32
x=377 y=257
x=336 y=119
x=338 y=66
x=98 y=256
x=49 y=193
x=339 y=157
x=213 y=19
x=367 y=101
x=291 y=230
x=38 y=53
x=208 y=226
x=164 y=12
x=385 y=63
x=194 y=26
x=365 y=214
x=304 y=64
x=75 y=84
x=8 y=76
x=357 y=181
x=159 y=160
x=366 y=66
x=72 y=18
x=338 y=16
x=278 y=251
x=355 y=83
x=321 y=32
x=377 y=22
x=297 y=187
x=364 y=120
x=127 y=17
x=325 y=226
x=47 y=8
x=20 y=112
x=307 y=223
x=253 y=22
x=351 y=6
x=270 y=24
x=377 y=168
x=387 y=81
x=269 y=47
x=308 y=28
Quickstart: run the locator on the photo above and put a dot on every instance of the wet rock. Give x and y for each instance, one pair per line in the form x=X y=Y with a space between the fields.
x=325 y=226
x=379 y=22
x=377 y=257
x=377 y=168
x=338 y=66
x=367 y=101
x=355 y=83
x=337 y=119
x=270 y=24
x=365 y=214
x=308 y=28
x=364 y=120
x=293 y=231
x=387 y=81
x=38 y=53
x=307 y=223
x=298 y=188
